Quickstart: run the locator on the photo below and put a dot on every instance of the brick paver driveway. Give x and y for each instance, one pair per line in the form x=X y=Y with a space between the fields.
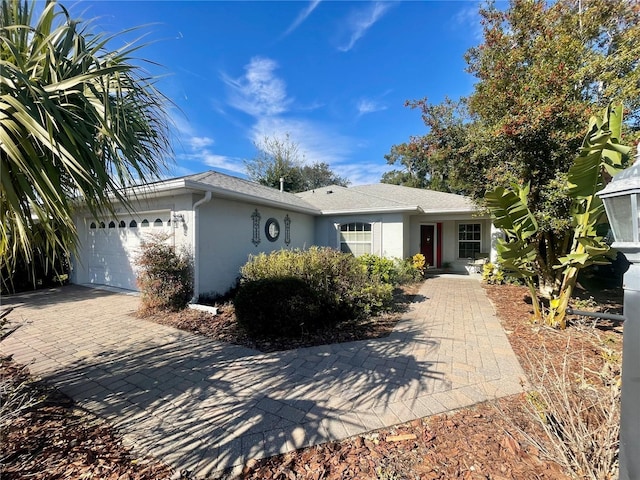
x=203 y=405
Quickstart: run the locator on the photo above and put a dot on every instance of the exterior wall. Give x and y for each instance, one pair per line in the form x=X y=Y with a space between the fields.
x=122 y=245
x=387 y=232
x=449 y=236
x=225 y=239
x=406 y=237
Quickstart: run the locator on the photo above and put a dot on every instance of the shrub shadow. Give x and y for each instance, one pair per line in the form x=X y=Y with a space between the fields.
x=204 y=406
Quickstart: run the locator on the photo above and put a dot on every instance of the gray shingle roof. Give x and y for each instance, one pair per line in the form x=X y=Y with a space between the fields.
x=377 y=197
x=235 y=187
x=383 y=196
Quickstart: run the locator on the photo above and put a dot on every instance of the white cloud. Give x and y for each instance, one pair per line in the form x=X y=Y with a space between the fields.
x=262 y=94
x=213 y=160
x=200 y=142
x=362 y=173
x=197 y=149
x=302 y=16
x=317 y=142
x=222 y=161
x=179 y=171
x=259 y=91
x=365 y=106
x=362 y=20
x=468 y=19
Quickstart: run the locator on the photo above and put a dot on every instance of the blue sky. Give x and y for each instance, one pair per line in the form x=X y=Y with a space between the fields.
x=332 y=74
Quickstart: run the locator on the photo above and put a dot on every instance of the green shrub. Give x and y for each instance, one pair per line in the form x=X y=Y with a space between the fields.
x=285 y=306
x=419 y=262
x=164 y=275
x=394 y=271
x=383 y=268
x=411 y=269
x=494 y=274
x=341 y=286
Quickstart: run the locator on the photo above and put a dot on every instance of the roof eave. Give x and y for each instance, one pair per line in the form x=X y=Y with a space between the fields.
x=232 y=194
x=355 y=211
x=473 y=211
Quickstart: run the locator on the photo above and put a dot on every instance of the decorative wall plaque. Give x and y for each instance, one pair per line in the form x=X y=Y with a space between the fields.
x=287 y=230
x=255 y=216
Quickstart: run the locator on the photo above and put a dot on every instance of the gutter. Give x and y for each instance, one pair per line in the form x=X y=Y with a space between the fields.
x=194 y=245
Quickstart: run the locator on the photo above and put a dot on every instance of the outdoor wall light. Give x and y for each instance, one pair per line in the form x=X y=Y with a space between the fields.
x=621 y=200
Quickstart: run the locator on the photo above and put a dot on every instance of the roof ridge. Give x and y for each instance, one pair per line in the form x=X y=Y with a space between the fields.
x=430 y=190
x=252 y=183
x=380 y=197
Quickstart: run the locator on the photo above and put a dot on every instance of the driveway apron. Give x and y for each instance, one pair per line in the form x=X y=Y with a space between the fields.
x=204 y=406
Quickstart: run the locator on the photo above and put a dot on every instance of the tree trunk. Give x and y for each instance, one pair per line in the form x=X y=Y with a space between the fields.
x=558 y=305
x=535 y=302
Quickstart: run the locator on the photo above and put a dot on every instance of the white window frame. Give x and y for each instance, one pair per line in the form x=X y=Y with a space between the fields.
x=469 y=240
x=348 y=243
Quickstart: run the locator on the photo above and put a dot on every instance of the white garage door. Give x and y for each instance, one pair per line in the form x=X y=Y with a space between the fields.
x=113 y=245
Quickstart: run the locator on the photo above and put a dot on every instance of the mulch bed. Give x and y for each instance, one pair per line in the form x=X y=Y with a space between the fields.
x=57 y=440
x=224 y=327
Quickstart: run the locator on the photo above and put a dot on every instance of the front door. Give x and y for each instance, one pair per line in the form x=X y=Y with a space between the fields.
x=427 y=242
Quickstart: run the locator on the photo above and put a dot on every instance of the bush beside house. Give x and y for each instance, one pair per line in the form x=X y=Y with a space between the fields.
x=290 y=292
x=165 y=276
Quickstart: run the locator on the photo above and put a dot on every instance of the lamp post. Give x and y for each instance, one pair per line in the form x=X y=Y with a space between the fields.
x=621 y=200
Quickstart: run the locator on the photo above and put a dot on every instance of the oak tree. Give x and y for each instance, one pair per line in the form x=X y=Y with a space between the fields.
x=542 y=70
x=280 y=158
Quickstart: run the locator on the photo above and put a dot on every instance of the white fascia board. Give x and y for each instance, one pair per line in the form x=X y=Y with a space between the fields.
x=356 y=211
x=142 y=192
x=156 y=189
x=248 y=198
x=455 y=210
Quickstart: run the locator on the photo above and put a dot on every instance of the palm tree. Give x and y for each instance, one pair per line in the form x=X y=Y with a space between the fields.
x=78 y=123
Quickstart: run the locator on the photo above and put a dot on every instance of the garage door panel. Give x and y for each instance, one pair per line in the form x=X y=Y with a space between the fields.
x=112 y=252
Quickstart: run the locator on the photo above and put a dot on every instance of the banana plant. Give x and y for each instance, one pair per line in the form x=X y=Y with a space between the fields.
x=601 y=155
x=516 y=252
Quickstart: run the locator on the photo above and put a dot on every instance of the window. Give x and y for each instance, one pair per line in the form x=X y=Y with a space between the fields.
x=469 y=235
x=133 y=224
x=144 y=223
x=93 y=225
x=157 y=223
x=355 y=238
x=122 y=224
x=101 y=225
x=112 y=224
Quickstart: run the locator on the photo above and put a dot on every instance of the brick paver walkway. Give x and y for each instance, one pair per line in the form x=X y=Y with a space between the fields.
x=203 y=405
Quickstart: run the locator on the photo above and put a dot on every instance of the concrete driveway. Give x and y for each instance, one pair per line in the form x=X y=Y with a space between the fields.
x=205 y=406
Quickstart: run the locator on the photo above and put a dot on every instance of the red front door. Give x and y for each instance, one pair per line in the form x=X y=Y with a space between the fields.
x=427 y=242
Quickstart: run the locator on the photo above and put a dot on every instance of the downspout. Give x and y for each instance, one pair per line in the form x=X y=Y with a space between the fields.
x=194 y=245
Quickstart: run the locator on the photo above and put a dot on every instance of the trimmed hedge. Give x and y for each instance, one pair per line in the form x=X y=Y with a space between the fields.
x=337 y=287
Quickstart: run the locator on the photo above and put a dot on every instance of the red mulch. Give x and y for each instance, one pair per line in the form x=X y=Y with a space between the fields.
x=56 y=440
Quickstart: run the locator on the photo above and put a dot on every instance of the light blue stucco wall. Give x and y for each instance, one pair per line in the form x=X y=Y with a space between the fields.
x=387 y=232
x=226 y=239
